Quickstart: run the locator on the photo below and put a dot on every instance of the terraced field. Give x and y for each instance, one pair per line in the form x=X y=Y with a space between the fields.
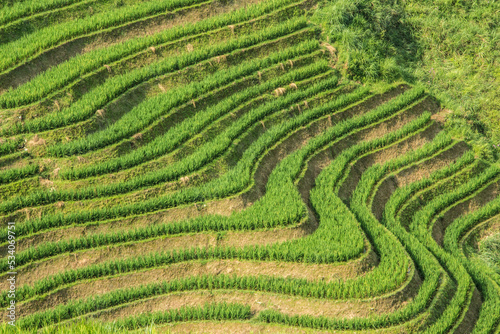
x=202 y=165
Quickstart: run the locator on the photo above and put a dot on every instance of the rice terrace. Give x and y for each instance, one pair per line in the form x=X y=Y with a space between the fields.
x=258 y=166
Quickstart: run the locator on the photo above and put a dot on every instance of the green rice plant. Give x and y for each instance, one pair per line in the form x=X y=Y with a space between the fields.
x=198 y=107
x=80 y=326
x=149 y=110
x=11 y=175
x=430 y=269
x=22 y=9
x=14 y=52
x=203 y=154
x=336 y=220
x=424 y=259
x=427 y=194
x=209 y=133
x=64 y=73
x=143 y=115
x=173 y=64
x=277 y=196
x=483 y=275
x=490 y=251
x=99 y=96
x=209 y=311
x=402 y=195
x=463 y=294
x=360 y=204
x=470 y=188
x=259 y=217
x=10 y=146
x=422 y=226
x=200 y=157
x=214 y=311
x=440 y=203
x=244 y=169
x=329 y=290
x=322 y=247
x=288 y=286
x=189 y=127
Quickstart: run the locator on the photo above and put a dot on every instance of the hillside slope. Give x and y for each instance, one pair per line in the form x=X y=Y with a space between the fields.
x=205 y=166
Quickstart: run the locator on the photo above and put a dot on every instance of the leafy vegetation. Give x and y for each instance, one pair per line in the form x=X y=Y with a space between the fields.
x=191 y=164
x=450 y=46
x=490 y=251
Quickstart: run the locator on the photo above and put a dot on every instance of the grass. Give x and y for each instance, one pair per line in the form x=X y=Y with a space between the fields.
x=489 y=251
x=449 y=46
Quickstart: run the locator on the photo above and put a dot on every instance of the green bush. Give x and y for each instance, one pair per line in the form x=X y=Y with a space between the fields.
x=372 y=37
